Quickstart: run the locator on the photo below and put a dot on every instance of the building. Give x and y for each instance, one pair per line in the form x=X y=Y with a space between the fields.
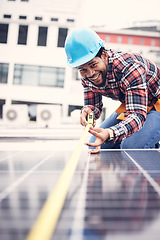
x=33 y=69
x=140 y=40
x=33 y=66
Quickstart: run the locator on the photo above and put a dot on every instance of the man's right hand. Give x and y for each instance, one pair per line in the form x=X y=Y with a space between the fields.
x=83 y=116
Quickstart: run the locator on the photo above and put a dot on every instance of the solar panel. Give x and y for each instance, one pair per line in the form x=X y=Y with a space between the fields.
x=116 y=200
x=113 y=194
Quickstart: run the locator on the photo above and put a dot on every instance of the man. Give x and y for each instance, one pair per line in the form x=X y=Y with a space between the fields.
x=126 y=77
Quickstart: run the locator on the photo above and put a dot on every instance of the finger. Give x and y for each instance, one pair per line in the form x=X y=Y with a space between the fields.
x=94 y=132
x=95 y=144
x=87 y=110
x=98 y=130
x=94 y=123
x=93 y=151
x=97 y=150
x=91 y=127
x=83 y=121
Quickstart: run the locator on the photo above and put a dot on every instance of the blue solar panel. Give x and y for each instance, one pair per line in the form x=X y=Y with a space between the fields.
x=113 y=194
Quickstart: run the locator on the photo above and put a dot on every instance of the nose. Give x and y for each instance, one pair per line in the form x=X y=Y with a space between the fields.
x=90 y=72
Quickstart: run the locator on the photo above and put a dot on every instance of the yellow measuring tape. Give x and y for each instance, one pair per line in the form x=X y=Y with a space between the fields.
x=45 y=224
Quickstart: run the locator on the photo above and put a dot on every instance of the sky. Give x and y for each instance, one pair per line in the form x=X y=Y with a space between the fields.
x=120 y=13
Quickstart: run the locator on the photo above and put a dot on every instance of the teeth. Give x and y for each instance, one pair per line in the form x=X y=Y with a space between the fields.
x=95 y=77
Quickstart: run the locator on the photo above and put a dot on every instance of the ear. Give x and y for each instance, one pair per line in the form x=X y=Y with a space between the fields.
x=104 y=56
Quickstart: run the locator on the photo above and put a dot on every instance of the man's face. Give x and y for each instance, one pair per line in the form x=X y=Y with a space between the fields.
x=95 y=70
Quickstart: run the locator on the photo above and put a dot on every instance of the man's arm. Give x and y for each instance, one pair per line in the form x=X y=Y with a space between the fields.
x=136 y=99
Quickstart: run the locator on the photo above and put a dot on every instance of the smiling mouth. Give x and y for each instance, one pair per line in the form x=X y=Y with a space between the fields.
x=95 y=78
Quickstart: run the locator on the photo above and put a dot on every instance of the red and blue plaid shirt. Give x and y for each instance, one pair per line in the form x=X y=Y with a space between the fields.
x=131 y=79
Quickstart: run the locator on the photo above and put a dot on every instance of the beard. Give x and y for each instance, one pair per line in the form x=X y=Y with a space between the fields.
x=103 y=83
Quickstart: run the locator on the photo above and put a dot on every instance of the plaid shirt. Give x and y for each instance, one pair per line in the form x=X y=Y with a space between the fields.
x=131 y=79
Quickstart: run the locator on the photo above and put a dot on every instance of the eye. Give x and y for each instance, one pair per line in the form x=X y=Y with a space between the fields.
x=93 y=65
x=82 y=70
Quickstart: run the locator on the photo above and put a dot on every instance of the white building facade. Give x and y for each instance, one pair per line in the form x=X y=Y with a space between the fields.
x=33 y=68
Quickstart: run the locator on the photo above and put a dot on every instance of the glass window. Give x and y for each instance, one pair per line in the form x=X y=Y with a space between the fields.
x=119 y=39
x=60 y=76
x=51 y=77
x=107 y=38
x=54 y=19
x=142 y=41
x=46 y=76
x=153 y=42
x=25 y=75
x=38 y=18
x=38 y=75
x=3 y=33
x=4 y=72
x=75 y=74
x=7 y=16
x=72 y=108
x=22 y=35
x=2 y=102
x=22 y=17
x=42 y=36
x=62 y=34
x=70 y=20
x=130 y=40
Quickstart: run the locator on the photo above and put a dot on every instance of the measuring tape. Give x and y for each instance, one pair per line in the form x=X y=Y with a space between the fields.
x=46 y=222
x=90 y=118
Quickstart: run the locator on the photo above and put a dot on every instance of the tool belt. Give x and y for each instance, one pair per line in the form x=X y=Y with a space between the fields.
x=122 y=108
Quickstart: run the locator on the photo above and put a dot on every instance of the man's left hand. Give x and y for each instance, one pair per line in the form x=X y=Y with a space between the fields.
x=101 y=136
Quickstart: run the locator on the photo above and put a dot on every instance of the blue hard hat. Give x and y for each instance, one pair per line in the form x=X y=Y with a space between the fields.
x=81 y=46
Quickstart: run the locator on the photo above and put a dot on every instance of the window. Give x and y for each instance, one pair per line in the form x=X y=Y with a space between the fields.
x=22 y=17
x=4 y=72
x=54 y=19
x=119 y=39
x=3 y=33
x=6 y=16
x=130 y=40
x=22 y=35
x=72 y=108
x=2 y=102
x=42 y=36
x=70 y=20
x=107 y=38
x=62 y=34
x=153 y=42
x=142 y=41
x=38 y=18
x=38 y=76
x=75 y=74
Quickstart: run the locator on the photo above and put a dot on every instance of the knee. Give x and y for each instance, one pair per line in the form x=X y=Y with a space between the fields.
x=127 y=144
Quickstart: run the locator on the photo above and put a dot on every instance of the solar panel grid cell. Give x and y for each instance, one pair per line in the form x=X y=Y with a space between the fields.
x=109 y=196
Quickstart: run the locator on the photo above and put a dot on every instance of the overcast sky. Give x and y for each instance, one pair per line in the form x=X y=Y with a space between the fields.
x=119 y=13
